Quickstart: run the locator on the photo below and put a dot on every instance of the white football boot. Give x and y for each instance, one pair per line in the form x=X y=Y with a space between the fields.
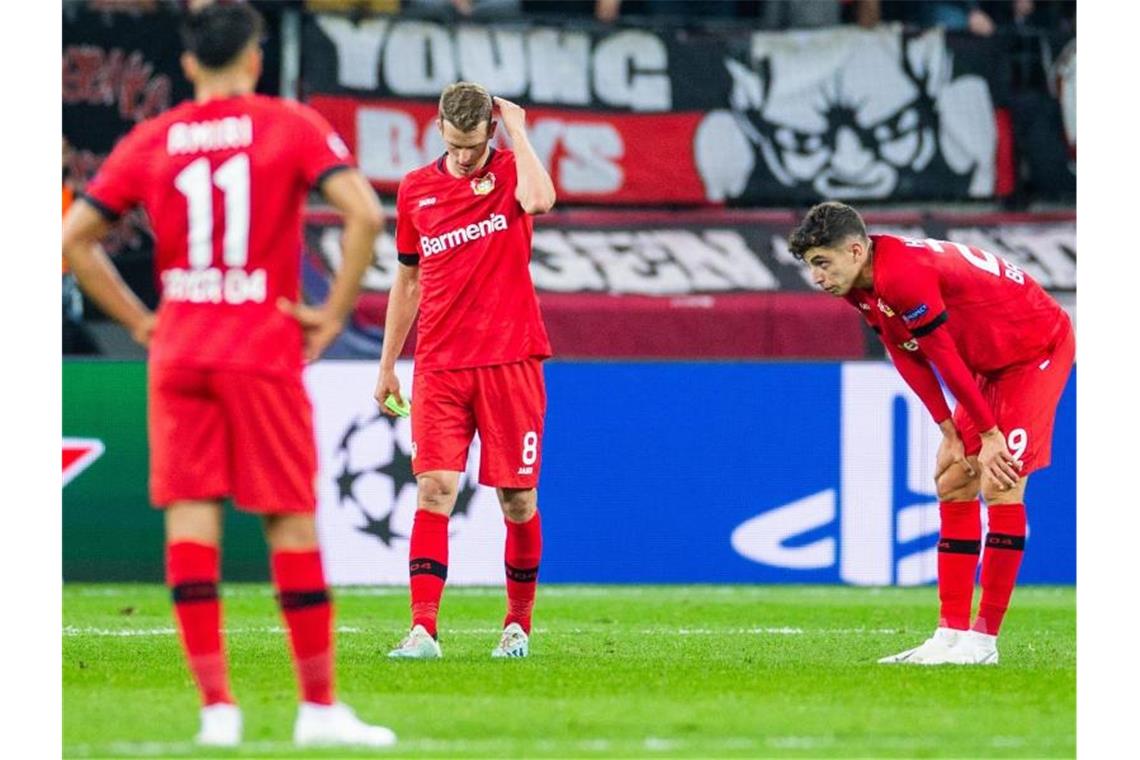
x=946 y=647
x=982 y=648
x=220 y=726
x=337 y=724
x=514 y=643
x=417 y=645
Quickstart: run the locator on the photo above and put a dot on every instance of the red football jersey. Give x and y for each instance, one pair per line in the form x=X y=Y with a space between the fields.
x=472 y=242
x=957 y=308
x=224 y=183
x=997 y=314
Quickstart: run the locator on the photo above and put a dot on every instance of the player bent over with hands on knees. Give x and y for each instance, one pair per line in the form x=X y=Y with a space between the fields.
x=223 y=179
x=463 y=233
x=1005 y=350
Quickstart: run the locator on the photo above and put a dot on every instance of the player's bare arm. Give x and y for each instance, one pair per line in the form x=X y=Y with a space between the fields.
x=951 y=451
x=994 y=459
x=83 y=228
x=403 y=305
x=349 y=192
x=535 y=190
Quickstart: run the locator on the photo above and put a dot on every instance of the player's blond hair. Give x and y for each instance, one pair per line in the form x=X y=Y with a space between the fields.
x=466 y=105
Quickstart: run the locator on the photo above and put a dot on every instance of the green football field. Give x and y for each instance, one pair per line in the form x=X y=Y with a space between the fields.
x=723 y=671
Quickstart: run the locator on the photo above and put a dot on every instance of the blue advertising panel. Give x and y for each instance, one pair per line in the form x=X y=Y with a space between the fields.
x=762 y=473
x=652 y=472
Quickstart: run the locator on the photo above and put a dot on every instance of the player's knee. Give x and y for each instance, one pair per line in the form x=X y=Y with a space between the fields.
x=956 y=485
x=994 y=493
x=436 y=494
x=518 y=505
x=290 y=532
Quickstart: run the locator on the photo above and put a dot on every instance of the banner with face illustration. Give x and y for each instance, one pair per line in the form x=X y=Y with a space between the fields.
x=731 y=116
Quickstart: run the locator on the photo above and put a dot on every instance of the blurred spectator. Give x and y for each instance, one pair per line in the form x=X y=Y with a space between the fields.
x=967 y=15
x=76 y=338
x=687 y=11
x=812 y=14
x=1029 y=30
x=603 y=10
x=483 y=10
x=800 y=14
x=1032 y=15
x=122 y=5
x=353 y=6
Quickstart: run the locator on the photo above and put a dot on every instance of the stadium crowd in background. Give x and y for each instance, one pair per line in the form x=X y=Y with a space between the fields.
x=1030 y=83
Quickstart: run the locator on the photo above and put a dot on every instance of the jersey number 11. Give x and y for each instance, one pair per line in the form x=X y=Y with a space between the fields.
x=197 y=185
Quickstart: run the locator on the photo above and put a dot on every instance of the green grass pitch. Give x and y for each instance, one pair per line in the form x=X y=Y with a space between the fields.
x=721 y=671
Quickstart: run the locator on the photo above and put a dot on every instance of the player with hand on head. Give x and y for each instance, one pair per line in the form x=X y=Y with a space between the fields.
x=463 y=233
x=223 y=179
x=1005 y=350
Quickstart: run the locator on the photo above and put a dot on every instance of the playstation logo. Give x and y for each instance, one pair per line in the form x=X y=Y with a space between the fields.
x=883 y=512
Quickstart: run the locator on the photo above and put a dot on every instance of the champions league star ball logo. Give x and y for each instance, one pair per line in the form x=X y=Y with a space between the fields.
x=483 y=185
x=851 y=114
x=374 y=477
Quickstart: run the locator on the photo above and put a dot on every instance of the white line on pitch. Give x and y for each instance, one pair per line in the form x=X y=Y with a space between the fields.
x=72 y=630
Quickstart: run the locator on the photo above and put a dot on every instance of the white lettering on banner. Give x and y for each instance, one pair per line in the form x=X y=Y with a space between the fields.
x=418 y=59
x=390 y=144
x=560 y=267
x=651 y=262
x=358 y=47
x=493 y=57
x=213 y=285
x=387 y=144
x=587 y=166
x=430 y=246
x=629 y=70
x=559 y=66
x=229 y=133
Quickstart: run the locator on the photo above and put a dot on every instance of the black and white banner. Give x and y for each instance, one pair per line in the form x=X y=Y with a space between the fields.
x=732 y=117
x=714 y=284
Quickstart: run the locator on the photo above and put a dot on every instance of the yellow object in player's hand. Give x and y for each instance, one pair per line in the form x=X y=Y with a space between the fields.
x=393 y=405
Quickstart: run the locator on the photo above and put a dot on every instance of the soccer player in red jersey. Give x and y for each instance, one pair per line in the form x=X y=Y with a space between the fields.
x=224 y=180
x=463 y=234
x=1005 y=350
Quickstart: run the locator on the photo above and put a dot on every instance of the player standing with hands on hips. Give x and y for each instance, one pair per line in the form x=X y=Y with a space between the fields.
x=463 y=234
x=223 y=179
x=1005 y=350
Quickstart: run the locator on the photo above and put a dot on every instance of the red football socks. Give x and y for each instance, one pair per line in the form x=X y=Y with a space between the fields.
x=522 y=555
x=427 y=567
x=959 y=543
x=307 y=609
x=1005 y=546
x=192 y=572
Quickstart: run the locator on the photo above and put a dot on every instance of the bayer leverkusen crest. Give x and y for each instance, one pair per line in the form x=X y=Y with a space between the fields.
x=483 y=185
x=78 y=455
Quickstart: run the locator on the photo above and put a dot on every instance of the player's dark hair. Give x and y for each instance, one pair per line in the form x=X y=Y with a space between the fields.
x=218 y=33
x=466 y=105
x=825 y=225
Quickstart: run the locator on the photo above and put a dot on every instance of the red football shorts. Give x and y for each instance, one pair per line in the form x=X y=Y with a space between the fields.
x=219 y=433
x=505 y=403
x=1024 y=399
